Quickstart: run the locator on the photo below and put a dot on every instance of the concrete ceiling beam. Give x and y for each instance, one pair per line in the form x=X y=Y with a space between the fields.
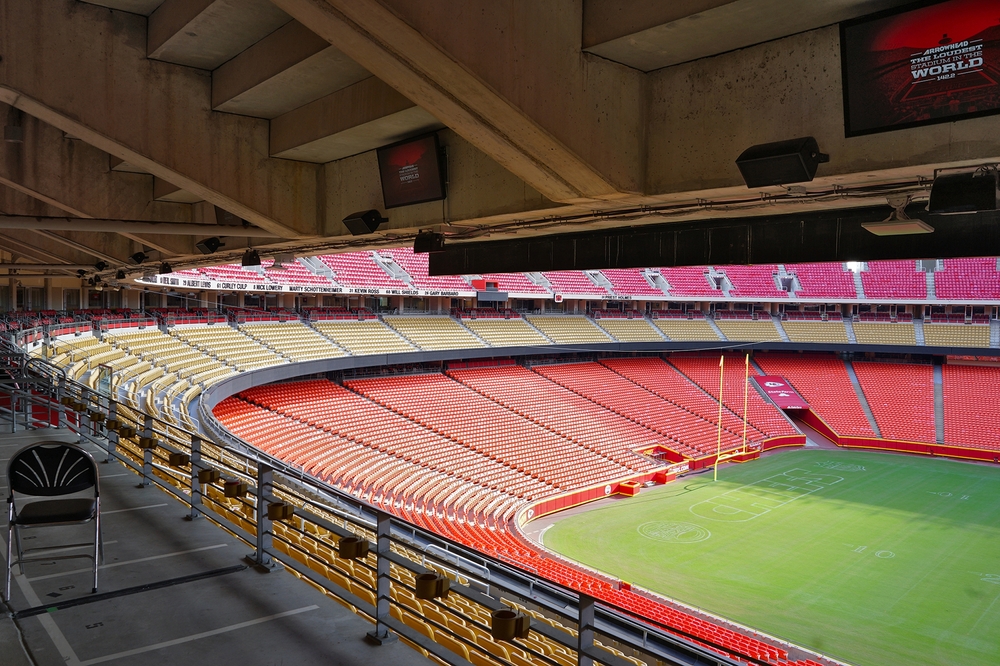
x=99 y=86
x=289 y=68
x=356 y=119
x=74 y=178
x=128 y=226
x=45 y=267
x=396 y=52
x=31 y=250
x=78 y=246
x=206 y=33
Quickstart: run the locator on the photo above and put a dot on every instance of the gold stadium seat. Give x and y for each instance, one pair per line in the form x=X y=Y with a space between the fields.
x=569 y=329
x=686 y=330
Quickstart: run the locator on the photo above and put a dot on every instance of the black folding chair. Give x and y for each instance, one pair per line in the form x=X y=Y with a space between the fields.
x=52 y=469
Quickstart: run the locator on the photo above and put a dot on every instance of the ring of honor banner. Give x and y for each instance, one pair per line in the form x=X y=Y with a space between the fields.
x=780 y=392
x=934 y=63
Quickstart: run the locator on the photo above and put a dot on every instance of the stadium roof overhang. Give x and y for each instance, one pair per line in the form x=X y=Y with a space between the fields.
x=256 y=122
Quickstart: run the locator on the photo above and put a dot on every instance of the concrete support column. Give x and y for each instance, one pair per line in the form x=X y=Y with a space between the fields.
x=130 y=299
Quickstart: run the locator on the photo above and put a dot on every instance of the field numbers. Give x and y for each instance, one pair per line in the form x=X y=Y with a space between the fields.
x=946 y=494
x=880 y=554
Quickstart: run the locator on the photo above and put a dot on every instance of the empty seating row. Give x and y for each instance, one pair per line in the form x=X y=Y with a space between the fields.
x=364 y=337
x=901 y=397
x=445 y=406
x=614 y=392
x=745 y=330
x=568 y=329
x=823 y=382
x=704 y=371
x=294 y=340
x=506 y=332
x=434 y=332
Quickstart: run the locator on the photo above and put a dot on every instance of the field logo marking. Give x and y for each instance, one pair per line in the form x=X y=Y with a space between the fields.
x=840 y=467
x=673 y=531
x=756 y=499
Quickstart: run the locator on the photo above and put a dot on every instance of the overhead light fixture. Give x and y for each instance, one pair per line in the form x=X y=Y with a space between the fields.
x=166 y=268
x=364 y=222
x=80 y=273
x=428 y=241
x=209 y=245
x=250 y=258
x=781 y=162
x=120 y=275
x=100 y=265
x=91 y=282
x=138 y=258
x=898 y=223
x=965 y=192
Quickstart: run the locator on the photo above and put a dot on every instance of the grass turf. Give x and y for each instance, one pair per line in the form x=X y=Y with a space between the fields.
x=867 y=557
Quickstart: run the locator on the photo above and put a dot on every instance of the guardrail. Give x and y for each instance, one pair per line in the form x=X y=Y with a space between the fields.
x=380 y=566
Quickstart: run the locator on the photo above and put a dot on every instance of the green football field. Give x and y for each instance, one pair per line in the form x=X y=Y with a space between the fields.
x=875 y=559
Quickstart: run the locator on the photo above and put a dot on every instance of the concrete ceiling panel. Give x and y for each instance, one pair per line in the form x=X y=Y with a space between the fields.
x=364 y=137
x=712 y=27
x=206 y=33
x=287 y=69
x=144 y=7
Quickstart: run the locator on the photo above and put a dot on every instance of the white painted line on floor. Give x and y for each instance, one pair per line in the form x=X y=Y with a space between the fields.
x=46 y=620
x=111 y=476
x=134 y=508
x=121 y=564
x=194 y=637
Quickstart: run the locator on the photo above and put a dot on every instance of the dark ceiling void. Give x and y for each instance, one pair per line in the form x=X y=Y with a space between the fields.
x=780 y=239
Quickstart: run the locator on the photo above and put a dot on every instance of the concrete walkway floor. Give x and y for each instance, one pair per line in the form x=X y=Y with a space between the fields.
x=210 y=608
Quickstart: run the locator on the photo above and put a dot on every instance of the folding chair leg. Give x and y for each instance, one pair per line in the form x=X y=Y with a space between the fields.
x=10 y=566
x=98 y=547
x=20 y=551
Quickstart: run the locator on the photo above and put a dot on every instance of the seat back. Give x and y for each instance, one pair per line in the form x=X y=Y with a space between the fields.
x=50 y=469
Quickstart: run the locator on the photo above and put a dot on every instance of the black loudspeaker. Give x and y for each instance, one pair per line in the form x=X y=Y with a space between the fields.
x=966 y=192
x=209 y=245
x=781 y=162
x=364 y=222
x=428 y=241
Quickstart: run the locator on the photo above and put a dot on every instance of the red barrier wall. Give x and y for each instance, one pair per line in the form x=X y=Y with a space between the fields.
x=922 y=448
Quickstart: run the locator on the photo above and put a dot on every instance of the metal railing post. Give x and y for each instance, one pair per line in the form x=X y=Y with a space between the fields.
x=265 y=487
x=147 y=454
x=196 y=492
x=585 y=629
x=62 y=422
x=110 y=434
x=381 y=634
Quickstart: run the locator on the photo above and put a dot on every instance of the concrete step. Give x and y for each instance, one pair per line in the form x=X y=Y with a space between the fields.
x=939 y=403
x=850 y=331
x=862 y=399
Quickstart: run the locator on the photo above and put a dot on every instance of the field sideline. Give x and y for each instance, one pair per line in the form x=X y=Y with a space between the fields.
x=871 y=558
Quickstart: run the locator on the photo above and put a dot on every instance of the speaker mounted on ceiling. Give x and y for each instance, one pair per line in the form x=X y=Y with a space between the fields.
x=965 y=192
x=781 y=162
x=364 y=222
